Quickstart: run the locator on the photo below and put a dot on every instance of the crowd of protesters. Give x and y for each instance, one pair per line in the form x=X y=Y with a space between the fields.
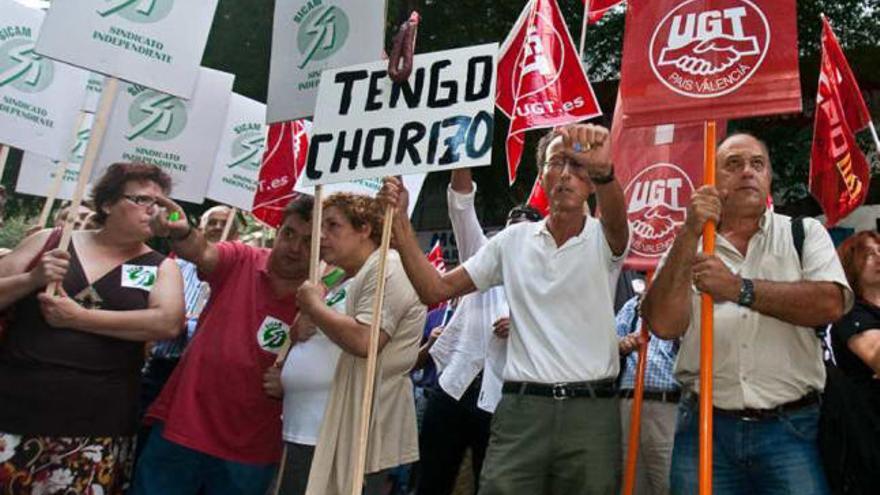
x=220 y=368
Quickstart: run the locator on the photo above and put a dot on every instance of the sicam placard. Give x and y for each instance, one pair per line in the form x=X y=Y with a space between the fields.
x=154 y=43
x=699 y=60
x=309 y=36
x=37 y=172
x=39 y=97
x=237 y=166
x=180 y=136
x=367 y=126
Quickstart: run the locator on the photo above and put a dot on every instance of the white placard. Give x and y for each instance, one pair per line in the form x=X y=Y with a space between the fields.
x=39 y=98
x=370 y=187
x=37 y=172
x=237 y=166
x=93 y=92
x=180 y=136
x=442 y=118
x=154 y=43
x=309 y=36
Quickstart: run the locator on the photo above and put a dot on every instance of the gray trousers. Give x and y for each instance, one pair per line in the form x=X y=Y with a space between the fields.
x=655 y=444
x=544 y=446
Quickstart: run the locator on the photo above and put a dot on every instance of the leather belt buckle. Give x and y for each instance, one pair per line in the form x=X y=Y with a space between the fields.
x=560 y=391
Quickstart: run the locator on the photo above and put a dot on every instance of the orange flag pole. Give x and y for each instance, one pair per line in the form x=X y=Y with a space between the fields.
x=635 y=419
x=706 y=331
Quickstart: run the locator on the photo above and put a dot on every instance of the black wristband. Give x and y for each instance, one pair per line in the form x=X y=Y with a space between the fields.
x=603 y=179
x=184 y=236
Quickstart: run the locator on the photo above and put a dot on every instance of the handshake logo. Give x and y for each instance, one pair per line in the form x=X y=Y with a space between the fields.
x=708 y=53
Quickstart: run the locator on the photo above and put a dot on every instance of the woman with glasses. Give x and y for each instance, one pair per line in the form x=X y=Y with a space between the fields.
x=70 y=361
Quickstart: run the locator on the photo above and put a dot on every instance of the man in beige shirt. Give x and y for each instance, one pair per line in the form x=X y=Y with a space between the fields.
x=768 y=369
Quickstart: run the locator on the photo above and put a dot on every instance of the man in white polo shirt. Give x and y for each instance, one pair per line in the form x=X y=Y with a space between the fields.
x=557 y=427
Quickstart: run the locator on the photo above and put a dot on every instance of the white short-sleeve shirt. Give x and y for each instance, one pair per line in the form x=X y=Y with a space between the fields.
x=561 y=301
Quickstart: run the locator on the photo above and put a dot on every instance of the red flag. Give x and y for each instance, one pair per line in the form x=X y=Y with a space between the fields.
x=854 y=108
x=659 y=167
x=538 y=198
x=598 y=8
x=435 y=256
x=839 y=172
x=540 y=80
x=283 y=160
x=698 y=60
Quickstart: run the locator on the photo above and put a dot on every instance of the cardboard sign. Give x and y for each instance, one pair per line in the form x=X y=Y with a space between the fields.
x=179 y=136
x=93 y=92
x=37 y=172
x=370 y=187
x=698 y=60
x=154 y=43
x=237 y=166
x=310 y=36
x=39 y=97
x=366 y=126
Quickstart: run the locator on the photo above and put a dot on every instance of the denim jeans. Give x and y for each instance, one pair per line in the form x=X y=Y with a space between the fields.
x=167 y=468
x=771 y=456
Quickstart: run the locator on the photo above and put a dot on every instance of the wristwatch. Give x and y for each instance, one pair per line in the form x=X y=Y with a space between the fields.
x=746 y=293
x=601 y=180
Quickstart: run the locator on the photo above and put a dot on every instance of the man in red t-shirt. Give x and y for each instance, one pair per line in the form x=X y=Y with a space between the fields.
x=217 y=431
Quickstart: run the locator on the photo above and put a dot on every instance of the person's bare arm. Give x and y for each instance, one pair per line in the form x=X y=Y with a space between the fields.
x=866 y=345
x=431 y=286
x=15 y=283
x=163 y=318
x=348 y=333
x=425 y=350
x=595 y=141
x=462 y=181
x=667 y=304
x=187 y=241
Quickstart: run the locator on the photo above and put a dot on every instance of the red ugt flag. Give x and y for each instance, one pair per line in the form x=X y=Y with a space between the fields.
x=541 y=82
x=435 y=256
x=694 y=60
x=659 y=168
x=538 y=198
x=839 y=172
x=283 y=160
x=598 y=8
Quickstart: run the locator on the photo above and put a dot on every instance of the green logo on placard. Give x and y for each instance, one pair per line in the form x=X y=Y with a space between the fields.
x=156 y=116
x=248 y=146
x=322 y=31
x=272 y=334
x=142 y=11
x=22 y=68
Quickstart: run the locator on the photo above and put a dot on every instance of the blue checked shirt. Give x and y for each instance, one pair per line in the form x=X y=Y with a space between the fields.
x=661 y=355
x=173 y=348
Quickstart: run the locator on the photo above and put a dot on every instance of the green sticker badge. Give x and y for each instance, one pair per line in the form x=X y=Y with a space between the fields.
x=139 y=277
x=272 y=334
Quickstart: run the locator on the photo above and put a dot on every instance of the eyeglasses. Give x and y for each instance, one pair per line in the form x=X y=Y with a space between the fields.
x=559 y=164
x=141 y=199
